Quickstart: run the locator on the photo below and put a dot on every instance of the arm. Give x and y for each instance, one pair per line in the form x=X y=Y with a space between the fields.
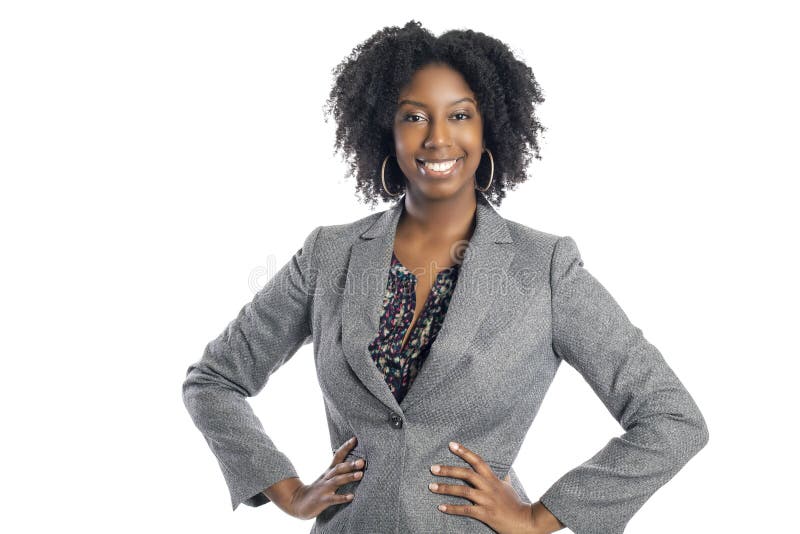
x=237 y=364
x=543 y=519
x=663 y=426
x=282 y=493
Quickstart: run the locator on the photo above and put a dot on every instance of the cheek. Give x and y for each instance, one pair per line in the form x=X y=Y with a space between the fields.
x=473 y=137
x=402 y=145
x=472 y=163
x=405 y=143
x=470 y=137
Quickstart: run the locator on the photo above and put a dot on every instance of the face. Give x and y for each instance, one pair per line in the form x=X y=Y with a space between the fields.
x=437 y=119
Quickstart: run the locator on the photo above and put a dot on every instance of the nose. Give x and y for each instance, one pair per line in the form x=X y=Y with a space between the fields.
x=439 y=134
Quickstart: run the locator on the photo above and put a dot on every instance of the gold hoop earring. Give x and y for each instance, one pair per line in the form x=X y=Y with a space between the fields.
x=383 y=178
x=491 y=176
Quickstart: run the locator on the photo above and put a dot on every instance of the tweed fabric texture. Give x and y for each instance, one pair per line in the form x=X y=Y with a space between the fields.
x=524 y=302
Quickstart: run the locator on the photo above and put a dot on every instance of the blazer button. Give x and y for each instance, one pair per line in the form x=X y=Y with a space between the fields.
x=396 y=420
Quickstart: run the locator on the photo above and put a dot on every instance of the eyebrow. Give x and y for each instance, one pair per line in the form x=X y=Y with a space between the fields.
x=420 y=104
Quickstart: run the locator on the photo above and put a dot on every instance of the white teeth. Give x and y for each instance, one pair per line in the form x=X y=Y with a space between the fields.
x=440 y=167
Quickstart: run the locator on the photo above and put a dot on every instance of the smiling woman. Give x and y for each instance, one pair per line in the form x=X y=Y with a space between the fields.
x=435 y=358
x=443 y=144
x=405 y=100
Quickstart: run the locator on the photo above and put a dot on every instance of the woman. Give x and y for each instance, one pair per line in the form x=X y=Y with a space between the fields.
x=450 y=327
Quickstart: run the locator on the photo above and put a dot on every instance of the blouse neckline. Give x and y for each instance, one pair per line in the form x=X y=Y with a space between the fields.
x=402 y=268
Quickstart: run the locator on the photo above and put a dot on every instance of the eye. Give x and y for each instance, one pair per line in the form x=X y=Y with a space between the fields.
x=408 y=118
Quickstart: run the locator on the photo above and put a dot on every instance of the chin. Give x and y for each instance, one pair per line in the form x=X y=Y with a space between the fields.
x=439 y=190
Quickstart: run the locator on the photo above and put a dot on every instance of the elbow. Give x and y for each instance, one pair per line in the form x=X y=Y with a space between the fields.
x=186 y=390
x=685 y=426
x=201 y=401
x=701 y=437
x=678 y=424
x=192 y=388
x=697 y=429
x=692 y=435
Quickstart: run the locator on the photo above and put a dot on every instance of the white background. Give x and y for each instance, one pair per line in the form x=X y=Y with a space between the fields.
x=160 y=160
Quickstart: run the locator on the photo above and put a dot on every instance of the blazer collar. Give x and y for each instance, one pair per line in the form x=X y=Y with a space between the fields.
x=490 y=226
x=483 y=277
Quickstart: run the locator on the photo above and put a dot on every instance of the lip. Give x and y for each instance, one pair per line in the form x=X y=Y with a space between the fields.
x=440 y=160
x=440 y=174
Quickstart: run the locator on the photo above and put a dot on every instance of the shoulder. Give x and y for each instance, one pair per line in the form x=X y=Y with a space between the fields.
x=554 y=253
x=332 y=241
x=337 y=235
x=532 y=240
x=539 y=253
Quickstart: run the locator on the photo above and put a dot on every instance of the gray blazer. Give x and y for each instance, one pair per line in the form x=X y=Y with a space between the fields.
x=523 y=302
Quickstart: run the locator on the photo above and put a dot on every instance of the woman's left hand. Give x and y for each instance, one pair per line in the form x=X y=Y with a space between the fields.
x=495 y=503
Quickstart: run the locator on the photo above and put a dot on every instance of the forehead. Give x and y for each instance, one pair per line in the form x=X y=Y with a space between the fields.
x=436 y=85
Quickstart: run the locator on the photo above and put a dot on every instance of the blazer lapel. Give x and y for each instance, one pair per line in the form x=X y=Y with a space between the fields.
x=362 y=303
x=482 y=278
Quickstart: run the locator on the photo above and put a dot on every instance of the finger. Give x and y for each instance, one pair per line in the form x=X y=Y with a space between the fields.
x=472 y=458
x=459 y=490
x=463 y=473
x=344 y=467
x=473 y=479
x=337 y=498
x=462 y=509
x=477 y=496
x=343 y=450
x=346 y=478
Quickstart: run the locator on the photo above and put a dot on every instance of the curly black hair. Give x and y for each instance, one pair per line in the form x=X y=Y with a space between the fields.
x=363 y=101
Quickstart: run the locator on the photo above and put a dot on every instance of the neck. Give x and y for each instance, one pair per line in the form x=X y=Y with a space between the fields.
x=436 y=220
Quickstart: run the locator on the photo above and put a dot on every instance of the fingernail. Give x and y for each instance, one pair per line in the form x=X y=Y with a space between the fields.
x=435 y=468
x=454 y=445
x=433 y=485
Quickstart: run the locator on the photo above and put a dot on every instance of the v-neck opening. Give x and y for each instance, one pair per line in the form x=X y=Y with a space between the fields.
x=413 y=328
x=396 y=261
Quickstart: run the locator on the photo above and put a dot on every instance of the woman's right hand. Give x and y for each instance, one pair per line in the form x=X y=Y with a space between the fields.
x=309 y=501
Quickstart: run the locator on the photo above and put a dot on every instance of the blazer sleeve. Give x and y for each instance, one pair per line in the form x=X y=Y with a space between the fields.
x=663 y=426
x=237 y=364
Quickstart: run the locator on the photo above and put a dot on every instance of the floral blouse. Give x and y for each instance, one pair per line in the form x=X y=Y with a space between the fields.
x=400 y=367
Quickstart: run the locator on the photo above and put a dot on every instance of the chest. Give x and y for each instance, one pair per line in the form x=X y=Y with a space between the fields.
x=421 y=285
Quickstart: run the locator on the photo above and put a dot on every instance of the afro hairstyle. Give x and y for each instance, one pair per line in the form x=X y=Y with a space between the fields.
x=367 y=84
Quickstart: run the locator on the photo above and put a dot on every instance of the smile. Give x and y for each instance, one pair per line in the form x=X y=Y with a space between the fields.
x=439 y=170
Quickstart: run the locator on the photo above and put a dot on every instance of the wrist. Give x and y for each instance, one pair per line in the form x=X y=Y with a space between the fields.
x=544 y=522
x=282 y=493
